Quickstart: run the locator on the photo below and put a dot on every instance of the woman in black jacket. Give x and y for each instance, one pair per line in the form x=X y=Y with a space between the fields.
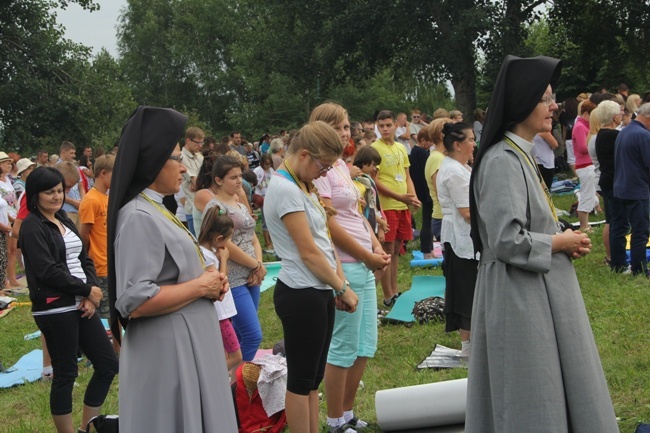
x=64 y=294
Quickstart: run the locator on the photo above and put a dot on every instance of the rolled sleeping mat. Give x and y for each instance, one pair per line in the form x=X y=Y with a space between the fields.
x=429 y=405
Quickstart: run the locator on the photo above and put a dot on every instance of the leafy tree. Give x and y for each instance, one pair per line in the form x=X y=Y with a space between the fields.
x=604 y=43
x=596 y=48
x=510 y=21
x=291 y=57
x=106 y=100
x=174 y=54
x=53 y=90
x=37 y=66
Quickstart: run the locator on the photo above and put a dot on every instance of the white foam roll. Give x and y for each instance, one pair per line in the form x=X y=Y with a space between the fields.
x=430 y=405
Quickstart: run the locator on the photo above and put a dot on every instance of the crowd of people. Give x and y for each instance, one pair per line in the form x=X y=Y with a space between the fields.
x=584 y=137
x=167 y=249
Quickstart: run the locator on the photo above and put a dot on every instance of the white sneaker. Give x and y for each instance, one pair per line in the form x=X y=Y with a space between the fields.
x=345 y=428
x=628 y=271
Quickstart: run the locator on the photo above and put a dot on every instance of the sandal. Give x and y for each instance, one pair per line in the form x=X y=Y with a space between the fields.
x=391 y=301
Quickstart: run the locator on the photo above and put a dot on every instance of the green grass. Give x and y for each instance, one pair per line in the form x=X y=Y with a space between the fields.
x=618 y=308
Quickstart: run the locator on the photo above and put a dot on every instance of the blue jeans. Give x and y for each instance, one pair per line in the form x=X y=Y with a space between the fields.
x=436 y=225
x=626 y=215
x=190 y=223
x=246 y=323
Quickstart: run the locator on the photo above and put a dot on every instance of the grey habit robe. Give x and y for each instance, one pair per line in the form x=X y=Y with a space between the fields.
x=534 y=365
x=173 y=375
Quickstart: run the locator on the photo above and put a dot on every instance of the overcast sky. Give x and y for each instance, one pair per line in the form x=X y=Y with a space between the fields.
x=93 y=29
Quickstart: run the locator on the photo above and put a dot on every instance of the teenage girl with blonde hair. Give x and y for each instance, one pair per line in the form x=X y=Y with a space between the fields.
x=355 y=335
x=311 y=272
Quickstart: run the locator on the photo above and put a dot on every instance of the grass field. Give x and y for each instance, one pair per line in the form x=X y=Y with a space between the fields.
x=617 y=305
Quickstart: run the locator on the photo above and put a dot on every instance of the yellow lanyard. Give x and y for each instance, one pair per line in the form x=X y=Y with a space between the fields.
x=177 y=222
x=542 y=184
x=304 y=188
x=395 y=153
x=348 y=181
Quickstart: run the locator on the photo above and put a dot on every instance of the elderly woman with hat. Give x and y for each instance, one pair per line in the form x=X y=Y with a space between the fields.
x=173 y=375
x=24 y=166
x=534 y=364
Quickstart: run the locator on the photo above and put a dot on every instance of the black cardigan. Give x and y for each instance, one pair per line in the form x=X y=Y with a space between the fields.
x=46 y=268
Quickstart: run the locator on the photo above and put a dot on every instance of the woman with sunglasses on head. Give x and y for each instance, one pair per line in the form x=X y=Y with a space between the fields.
x=65 y=294
x=534 y=365
x=354 y=338
x=311 y=283
x=173 y=375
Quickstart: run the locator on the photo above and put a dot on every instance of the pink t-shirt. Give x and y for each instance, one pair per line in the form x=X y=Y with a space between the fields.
x=580 y=149
x=338 y=187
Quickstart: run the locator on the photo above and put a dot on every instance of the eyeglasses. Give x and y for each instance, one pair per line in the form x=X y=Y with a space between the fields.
x=548 y=100
x=197 y=142
x=321 y=168
x=178 y=158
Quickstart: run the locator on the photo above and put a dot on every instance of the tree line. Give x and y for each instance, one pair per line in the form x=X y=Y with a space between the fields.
x=261 y=65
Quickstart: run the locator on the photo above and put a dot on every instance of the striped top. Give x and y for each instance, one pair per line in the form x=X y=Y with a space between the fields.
x=72 y=250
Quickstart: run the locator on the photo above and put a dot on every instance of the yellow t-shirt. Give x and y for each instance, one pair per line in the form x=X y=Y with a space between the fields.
x=433 y=164
x=362 y=191
x=93 y=210
x=392 y=172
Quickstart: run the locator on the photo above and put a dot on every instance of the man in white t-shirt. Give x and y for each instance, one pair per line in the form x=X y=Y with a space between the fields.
x=192 y=160
x=402 y=133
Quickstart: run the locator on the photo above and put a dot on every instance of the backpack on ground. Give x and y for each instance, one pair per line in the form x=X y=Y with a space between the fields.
x=103 y=424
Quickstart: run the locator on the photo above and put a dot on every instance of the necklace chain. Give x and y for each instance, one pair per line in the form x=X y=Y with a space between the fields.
x=177 y=222
x=542 y=184
x=348 y=181
x=305 y=188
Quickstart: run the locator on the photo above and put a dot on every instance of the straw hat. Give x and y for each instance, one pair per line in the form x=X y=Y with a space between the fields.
x=4 y=157
x=23 y=164
x=251 y=373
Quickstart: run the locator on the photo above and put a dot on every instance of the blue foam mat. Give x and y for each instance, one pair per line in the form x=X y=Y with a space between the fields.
x=420 y=261
x=27 y=369
x=271 y=277
x=422 y=286
x=647 y=254
x=37 y=334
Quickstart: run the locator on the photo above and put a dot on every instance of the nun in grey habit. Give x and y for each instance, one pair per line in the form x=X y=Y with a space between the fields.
x=173 y=375
x=534 y=365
